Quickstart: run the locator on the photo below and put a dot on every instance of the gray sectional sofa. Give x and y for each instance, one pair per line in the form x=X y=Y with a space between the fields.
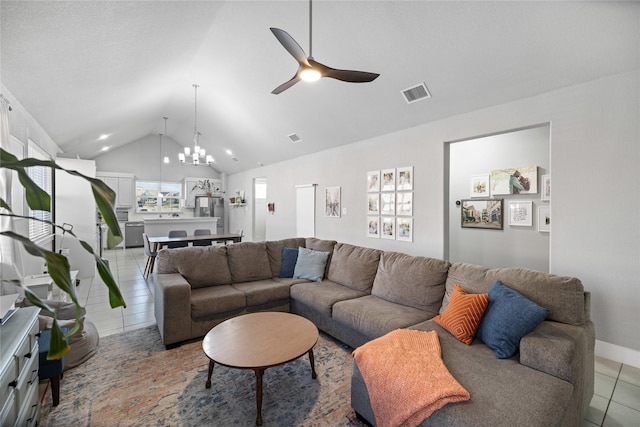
x=367 y=293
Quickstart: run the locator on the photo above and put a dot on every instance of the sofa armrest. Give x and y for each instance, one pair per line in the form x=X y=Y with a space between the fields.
x=172 y=307
x=556 y=349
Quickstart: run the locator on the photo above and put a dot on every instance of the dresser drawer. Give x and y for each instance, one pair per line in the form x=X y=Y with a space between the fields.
x=8 y=411
x=8 y=380
x=28 y=378
x=30 y=409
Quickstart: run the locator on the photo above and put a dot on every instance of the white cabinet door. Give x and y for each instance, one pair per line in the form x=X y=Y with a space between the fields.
x=125 y=193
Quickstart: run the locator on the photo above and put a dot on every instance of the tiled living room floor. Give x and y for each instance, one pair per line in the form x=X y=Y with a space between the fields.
x=616 y=402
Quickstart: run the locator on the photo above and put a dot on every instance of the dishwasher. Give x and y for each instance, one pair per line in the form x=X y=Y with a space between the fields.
x=133 y=234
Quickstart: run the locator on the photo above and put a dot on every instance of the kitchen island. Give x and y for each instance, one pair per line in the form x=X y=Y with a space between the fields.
x=158 y=227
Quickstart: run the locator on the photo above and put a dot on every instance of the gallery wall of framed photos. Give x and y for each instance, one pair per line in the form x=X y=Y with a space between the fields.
x=390 y=204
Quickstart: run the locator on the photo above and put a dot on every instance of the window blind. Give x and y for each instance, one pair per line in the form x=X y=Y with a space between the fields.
x=42 y=176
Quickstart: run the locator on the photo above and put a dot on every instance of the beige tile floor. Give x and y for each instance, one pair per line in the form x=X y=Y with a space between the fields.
x=616 y=402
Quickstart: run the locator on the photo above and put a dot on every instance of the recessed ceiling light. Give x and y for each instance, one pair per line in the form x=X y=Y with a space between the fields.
x=229 y=152
x=105 y=148
x=103 y=137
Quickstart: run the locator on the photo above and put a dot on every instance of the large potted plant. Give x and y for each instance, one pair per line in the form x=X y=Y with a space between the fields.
x=57 y=263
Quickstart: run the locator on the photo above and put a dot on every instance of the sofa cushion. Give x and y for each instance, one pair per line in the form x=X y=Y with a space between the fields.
x=310 y=264
x=354 y=266
x=322 y=296
x=248 y=261
x=260 y=292
x=563 y=296
x=289 y=259
x=201 y=266
x=509 y=317
x=208 y=303
x=463 y=314
x=322 y=246
x=374 y=317
x=411 y=280
x=274 y=252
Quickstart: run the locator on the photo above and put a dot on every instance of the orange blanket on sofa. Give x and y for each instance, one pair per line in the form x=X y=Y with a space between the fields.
x=406 y=378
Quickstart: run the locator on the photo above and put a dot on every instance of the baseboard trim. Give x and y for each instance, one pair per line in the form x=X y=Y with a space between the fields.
x=617 y=353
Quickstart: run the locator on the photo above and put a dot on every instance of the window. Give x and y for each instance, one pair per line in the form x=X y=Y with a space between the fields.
x=42 y=176
x=158 y=196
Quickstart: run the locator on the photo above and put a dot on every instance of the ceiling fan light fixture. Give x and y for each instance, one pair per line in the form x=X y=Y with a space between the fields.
x=310 y=75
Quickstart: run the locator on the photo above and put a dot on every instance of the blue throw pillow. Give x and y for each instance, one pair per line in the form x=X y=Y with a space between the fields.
x=509 y=317
x=289 y=258
x=310 y=264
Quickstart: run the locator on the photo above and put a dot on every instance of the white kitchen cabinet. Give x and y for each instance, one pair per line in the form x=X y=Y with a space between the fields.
x=190 y=194
x=121 y=184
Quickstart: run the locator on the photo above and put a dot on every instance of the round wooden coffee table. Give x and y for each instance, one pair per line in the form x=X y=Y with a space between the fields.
x=259 y=341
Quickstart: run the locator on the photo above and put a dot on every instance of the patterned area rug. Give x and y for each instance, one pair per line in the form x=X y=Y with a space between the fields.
x=134 y=381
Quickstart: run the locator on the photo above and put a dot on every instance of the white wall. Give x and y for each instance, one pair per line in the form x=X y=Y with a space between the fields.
x=595 y=152
x=513 y=245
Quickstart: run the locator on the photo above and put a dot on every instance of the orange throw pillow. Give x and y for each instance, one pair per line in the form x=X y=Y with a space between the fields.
x=463 y=314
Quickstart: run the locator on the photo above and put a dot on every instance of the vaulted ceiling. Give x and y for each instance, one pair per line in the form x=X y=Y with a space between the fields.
x=84 y=69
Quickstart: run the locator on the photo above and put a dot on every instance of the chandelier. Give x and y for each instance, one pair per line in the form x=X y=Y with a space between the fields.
x=198 y=152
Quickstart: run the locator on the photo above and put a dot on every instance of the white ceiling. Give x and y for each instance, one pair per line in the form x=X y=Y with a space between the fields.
x=83 y=69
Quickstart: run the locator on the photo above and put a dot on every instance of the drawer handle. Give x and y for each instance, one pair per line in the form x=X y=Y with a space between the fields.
x=33 y=411
x=28 y=355
x=38 y=334
x=34 y=374
x=14 y=383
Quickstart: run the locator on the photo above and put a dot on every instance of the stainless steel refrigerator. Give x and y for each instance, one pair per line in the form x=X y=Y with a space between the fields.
x=211 y=206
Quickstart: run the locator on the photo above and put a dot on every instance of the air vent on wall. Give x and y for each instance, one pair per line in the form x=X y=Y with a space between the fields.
x=416 y=93
x=294 y=138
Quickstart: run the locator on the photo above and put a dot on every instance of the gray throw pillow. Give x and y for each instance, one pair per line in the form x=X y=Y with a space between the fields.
x=310 y=264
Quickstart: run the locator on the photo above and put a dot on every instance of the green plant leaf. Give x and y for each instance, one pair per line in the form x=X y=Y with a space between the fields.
x=115 y=297
x=58 y=346
x=4 y=205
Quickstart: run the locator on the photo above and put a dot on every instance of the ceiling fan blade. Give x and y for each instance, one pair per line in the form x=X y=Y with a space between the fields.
x=287 y=85
x=290 y=45
x=350 y=76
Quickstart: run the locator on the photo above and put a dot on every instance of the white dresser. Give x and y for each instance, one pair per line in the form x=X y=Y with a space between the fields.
x=19 y=369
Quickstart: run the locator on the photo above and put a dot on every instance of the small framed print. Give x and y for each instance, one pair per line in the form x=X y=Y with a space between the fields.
x=481 y=213
x=404 y=204
x=479 y=186
x=373 y=181
x=404 y=178
x=546 y=187
x=373 y=204
x=332 y=202
x=373 y=224
x=388 y=227
x=520 y=214
x=388 y=180
x=388 y=203
x=544 y=219
x=404 y=229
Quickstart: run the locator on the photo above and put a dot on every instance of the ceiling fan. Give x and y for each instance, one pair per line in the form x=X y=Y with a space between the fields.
x=311 y=70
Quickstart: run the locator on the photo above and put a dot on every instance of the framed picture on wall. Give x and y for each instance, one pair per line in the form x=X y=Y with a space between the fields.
x=388 y=203
x=388 y=227
x=479 y=186
x=373 y=226
x=404 y=204
x=521 y=180
x=544 y=219
x=373 y=204
x=481 y=213
x=388 y=180
x=404 y=229
x=404 y=178
x=545 y=183
x=332 y=202
x=373 y=181
x=520 y=214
